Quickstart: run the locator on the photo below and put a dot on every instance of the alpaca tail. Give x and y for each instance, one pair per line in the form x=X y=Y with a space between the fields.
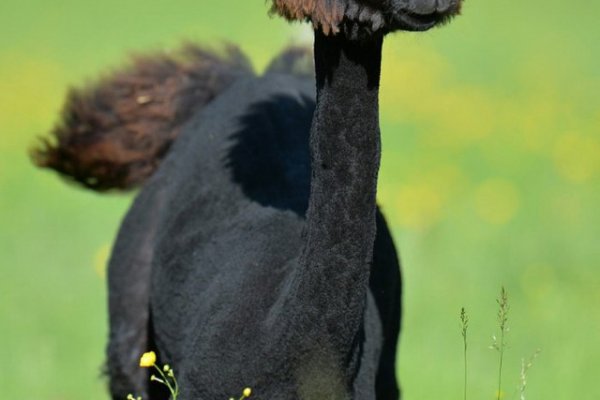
x=113 y=134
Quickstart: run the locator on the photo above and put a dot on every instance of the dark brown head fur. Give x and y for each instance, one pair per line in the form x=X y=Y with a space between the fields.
x=357 y=18
x=113 y=134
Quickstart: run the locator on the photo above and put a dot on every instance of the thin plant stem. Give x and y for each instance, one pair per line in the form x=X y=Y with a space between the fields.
x=464 y=319
x=525 y=365
x=503 y=308
x=174 y=392
x=500 y=367
x=176 y=386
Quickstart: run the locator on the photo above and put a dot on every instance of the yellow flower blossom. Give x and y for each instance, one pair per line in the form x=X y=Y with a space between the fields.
x=247 y=392
x=148 y=359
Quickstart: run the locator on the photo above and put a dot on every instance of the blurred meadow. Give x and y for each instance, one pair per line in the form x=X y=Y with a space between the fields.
x=490 y=177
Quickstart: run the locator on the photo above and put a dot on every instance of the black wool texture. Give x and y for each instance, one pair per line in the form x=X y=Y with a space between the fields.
x=255 y=256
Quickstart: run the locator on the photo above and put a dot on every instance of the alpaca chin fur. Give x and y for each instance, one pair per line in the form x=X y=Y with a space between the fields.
x=324 y=14
x=356 y=19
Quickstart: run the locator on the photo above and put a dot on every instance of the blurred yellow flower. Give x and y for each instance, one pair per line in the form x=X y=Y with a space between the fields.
x=101 y=258
x=419 y=206
x=247 y=392
x=497 y=201
x=148 y=359
x=577 y=157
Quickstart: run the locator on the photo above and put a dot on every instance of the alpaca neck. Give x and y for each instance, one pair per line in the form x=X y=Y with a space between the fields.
x=345 y=151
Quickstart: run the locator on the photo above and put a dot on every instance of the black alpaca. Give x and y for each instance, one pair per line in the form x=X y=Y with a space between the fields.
x=255 y=254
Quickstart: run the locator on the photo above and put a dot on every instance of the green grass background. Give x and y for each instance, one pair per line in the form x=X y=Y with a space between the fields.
x=490 y=177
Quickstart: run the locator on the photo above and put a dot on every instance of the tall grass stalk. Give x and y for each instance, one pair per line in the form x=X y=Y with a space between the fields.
x=525 y=365
x=500 y=344
x=464 y=320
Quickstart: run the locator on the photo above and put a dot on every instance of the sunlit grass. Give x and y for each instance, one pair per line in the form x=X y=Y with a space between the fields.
x=499 y=345
x=499 y=342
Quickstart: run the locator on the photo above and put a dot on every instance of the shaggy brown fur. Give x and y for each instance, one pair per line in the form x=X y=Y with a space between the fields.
x=324 y=14
x=113 y=134
x=363 y=18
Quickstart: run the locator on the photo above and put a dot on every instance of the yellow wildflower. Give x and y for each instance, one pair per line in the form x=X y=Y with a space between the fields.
x=247 y=392
x=148 y=359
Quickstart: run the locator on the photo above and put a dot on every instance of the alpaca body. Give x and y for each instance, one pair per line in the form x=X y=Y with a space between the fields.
x=218 y=232
x=255 y=255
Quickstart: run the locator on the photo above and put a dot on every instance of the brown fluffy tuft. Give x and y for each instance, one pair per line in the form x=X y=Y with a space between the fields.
x=359 y=19
x=113 y=134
